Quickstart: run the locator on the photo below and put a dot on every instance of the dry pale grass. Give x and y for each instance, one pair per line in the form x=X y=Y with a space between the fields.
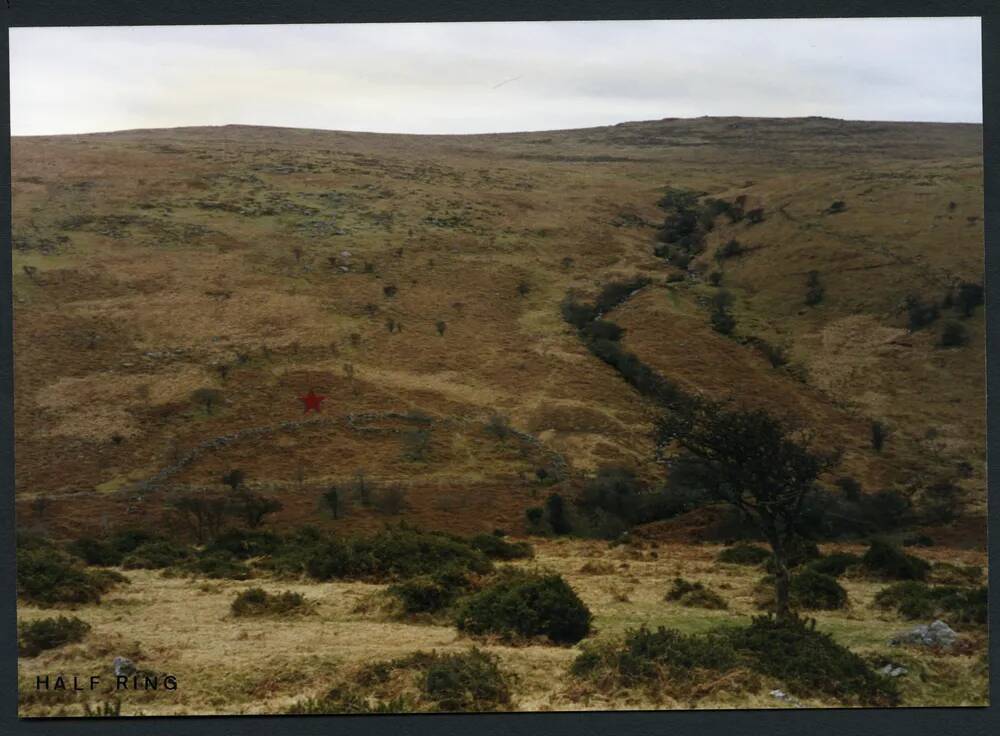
x=226 y=664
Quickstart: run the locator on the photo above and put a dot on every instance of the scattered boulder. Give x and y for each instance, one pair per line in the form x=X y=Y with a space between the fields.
x=790 y=699
x=124 y=667
x=937 y=635
x=893 y=670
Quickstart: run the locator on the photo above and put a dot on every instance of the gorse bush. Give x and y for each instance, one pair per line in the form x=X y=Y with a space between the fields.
x=695 y=595
x=808 y=591
x=463 y=682
x=916 y=600
x=743 y=554
x=112 y=550
x=941 y=502
x=656 y=661
x=522 y=604
x=430 y=682
x=426 y=593
x=807 y=662
x=219 y=565
x=730 y=249
x=395 y=553
x=258 y=602
x=47 y=576
x=34 y=637
x=615 y=490
x=812 y=590
x=434 y=592
x=156 y=554
x=883 y=560
x=601 y=329
x=834 y=565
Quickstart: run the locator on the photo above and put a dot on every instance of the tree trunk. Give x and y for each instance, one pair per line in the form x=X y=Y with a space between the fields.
x=782 y=584
x=782 y=578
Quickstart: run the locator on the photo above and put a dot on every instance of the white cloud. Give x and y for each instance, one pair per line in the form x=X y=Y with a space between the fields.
x=442 y=78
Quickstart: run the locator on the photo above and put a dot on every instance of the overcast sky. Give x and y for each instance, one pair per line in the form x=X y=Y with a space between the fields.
x=491 y=77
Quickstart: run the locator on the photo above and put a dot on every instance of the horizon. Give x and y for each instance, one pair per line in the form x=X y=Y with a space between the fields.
x=498 y=133
x=492 y=78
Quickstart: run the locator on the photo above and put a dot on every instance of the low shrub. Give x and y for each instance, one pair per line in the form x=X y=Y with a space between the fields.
x=258 y=602
x=47 y=576
x=431 y=593
x=743 y=554
x=661 y=660
x=834 y=565
x=218 y=565
x=886 y=510
x=396 y=553
x=500 y=549
x=695 y=595
x=465 y=682
x=810 y=662
x=916 y=600
x=806 y=661
x=941 y=502
x=155 y=555
x=34 y=637
x=812 y=590
x=885 y=561
x=294 y=551
x=730 y=249
x=601 y=329
x=111 y=551
x=94 y=552
x=523 y=604
x=918 y=540
x=722 y=321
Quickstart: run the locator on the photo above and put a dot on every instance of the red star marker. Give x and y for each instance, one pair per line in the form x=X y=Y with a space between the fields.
x=312 y=401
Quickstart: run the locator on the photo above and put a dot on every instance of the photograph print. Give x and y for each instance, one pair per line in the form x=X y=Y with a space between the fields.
x=492 y=367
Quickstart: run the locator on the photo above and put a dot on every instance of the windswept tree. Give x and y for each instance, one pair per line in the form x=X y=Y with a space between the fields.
x=204 y=515
x=253 y=507
x=752 y=461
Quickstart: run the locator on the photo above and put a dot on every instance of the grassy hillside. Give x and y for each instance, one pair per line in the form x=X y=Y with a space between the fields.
x=416 y=283
x=161 y=258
